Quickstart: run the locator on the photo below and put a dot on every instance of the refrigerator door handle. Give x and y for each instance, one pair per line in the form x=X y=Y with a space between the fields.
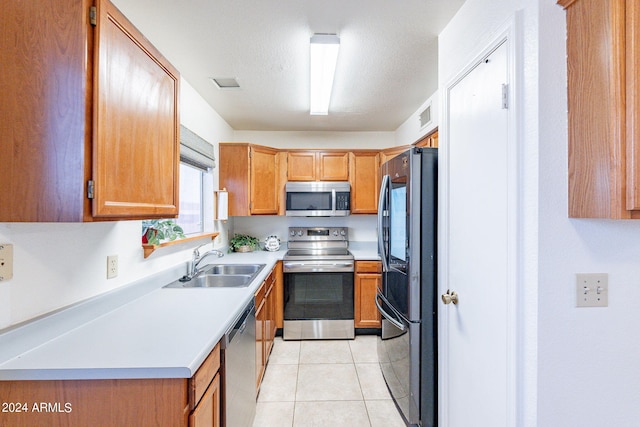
x=381 y=206
x=387 y=316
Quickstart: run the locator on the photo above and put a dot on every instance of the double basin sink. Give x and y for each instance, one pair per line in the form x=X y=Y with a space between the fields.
x=221 y=276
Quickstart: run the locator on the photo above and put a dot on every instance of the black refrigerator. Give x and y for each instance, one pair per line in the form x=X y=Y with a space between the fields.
x=407 y=229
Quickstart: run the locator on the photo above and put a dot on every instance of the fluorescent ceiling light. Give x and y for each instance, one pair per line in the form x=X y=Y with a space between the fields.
x=324 y=55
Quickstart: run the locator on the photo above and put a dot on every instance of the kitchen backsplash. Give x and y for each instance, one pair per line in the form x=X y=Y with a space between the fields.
x=362 y=228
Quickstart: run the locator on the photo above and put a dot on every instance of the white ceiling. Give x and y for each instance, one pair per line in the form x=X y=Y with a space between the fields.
x=387 y=66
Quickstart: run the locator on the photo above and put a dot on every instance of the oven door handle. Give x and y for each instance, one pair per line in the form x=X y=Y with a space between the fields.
x=398 y=324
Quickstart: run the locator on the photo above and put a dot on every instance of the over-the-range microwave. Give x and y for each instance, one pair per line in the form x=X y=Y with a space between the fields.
x=318 y=198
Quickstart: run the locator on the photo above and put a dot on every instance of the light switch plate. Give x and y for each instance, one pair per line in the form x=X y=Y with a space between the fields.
x=592 y=290
x=6 y=261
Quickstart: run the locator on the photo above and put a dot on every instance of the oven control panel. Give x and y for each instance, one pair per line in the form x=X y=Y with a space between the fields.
x=315 y=234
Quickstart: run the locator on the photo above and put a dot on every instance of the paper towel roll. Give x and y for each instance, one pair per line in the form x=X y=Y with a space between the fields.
x=223 y=206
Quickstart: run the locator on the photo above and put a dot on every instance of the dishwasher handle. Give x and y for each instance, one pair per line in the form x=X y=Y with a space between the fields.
x=240 y=325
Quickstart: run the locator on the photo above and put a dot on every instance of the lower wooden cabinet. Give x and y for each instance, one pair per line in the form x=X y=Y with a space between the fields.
x=176 y=402
x=368 y=277
x=207 y=413
x=204 y=392
x=266 y=326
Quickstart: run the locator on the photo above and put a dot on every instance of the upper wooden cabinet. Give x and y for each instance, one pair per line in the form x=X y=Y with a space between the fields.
x=317 y=166
x=390 y=153
x=603 y=61
x=430 y=141
x=251 y=175
x=365 y=181
x=89 y=116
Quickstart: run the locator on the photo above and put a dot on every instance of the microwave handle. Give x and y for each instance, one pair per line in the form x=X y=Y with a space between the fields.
x=333 y=201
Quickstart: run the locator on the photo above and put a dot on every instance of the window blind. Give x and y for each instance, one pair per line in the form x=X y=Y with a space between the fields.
x=196 y=151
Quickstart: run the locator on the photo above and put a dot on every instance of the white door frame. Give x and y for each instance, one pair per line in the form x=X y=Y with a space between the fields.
x=509 y=33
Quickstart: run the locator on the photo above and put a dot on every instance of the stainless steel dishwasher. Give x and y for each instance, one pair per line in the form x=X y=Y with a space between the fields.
x=239 y=355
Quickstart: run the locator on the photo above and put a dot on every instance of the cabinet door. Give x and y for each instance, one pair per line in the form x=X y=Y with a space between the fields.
x=301 y=166
x=45 y=114
x=390 y=153
x=135 y=135
x=207 y=413
x=433 y=140
x=333 y=166
x=429 y=141
x=633 y=104
x=365 y=182
x=264 y=181
x=367 y=279
x=596 y=103
x=270 y=320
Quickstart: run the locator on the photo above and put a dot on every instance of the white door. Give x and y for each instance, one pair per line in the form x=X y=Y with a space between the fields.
x=475 y=340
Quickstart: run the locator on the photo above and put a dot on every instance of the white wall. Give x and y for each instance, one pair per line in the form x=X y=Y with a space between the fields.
x=588 y=357
x=59 y=264
x=578 y=366
x=411 y=130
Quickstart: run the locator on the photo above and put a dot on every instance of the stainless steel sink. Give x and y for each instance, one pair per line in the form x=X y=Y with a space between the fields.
x=233 y=269
x=221 y=276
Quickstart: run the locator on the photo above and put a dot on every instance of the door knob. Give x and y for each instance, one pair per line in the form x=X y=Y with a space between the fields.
x=450 y=297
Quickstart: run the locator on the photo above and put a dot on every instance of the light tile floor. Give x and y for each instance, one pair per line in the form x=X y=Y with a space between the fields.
x=325 y=384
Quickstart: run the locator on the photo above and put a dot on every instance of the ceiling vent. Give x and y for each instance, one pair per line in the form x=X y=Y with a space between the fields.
x=225 y=82
x=425 y=117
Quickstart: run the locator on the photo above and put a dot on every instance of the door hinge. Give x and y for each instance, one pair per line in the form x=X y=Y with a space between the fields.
x=505 y=96
x=93 y=15
x=90 y=189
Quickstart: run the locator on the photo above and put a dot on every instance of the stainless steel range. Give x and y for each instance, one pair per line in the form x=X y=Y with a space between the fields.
x=318 y=284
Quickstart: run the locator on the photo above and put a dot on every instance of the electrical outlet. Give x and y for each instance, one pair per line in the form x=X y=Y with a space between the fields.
x=112 y=266
x=592 y=290
x=6 y=261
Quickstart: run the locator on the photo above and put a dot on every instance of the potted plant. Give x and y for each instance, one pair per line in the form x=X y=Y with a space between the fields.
x=243 y=243
x=157 y=230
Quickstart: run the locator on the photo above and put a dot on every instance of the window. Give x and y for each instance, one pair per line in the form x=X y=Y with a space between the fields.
x=196 y=191
x=191 y=203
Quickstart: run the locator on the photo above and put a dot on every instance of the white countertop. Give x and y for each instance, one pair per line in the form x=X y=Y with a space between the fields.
x=165 y=333
x=364 y=251
x=142 y=331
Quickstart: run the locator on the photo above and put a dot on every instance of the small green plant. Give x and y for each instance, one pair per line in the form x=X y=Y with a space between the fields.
x=239 y=240
x=157 y=230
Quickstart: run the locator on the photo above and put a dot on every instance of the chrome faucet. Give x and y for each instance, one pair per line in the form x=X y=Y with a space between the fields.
x=197 y=259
